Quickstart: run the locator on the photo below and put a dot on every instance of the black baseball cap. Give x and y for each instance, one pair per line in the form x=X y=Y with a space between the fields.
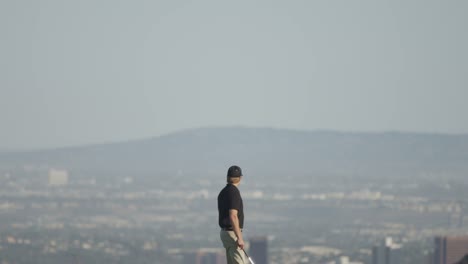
x=234 y=171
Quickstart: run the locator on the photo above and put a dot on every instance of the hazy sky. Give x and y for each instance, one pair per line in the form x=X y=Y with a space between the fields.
x=80 y=72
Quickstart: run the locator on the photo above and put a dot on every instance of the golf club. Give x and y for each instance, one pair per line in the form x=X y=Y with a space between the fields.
x=251 y=261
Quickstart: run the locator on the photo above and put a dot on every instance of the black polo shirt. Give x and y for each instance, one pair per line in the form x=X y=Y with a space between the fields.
x=230 y=198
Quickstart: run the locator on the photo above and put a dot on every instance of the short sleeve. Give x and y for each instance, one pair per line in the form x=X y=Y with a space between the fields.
x=234 y=200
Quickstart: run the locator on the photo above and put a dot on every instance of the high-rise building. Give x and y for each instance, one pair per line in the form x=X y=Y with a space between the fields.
x=387 y=252
x=450 y=249
x=259 y=249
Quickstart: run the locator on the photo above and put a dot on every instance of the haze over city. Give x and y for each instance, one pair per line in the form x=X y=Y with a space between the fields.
x=119 y=119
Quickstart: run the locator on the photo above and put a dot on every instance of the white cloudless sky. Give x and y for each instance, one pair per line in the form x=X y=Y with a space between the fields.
x=82 y=72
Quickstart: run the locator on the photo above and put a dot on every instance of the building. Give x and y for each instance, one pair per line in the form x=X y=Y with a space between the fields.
x=58 y=177
x=386 y=252
x=450 y=249
x=345 y=260
x=210 y=258
x=204 y=256
x=259 y=250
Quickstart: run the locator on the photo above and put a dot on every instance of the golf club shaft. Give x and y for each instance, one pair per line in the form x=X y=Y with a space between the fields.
x=251 y=261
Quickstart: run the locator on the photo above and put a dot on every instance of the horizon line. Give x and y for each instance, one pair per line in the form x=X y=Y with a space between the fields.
x=4 y=150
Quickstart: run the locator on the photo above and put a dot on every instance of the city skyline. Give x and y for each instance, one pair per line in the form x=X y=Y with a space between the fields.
x=319 y=197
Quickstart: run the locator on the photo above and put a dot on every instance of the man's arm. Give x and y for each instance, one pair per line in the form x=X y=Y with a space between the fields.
x=235 y=226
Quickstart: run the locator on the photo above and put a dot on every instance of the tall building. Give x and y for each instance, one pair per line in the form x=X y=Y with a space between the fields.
x=259 y=249
x=449 y=250
x=386 y=252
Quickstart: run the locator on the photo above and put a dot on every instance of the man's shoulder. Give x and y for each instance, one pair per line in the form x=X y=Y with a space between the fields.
x=230 y=188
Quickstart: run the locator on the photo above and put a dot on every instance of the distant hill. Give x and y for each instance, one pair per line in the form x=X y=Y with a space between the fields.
x=267 y=152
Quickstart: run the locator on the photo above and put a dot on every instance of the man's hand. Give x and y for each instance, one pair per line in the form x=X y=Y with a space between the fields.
x=240 y=243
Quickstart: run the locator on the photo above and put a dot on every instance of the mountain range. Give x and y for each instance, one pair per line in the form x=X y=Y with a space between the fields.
x=264 y=151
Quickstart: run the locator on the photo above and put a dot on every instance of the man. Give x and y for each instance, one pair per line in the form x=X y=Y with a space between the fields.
x=464 y=260
x=231 y=217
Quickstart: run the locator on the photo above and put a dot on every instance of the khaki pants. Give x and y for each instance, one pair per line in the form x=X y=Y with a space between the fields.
x=234 y=254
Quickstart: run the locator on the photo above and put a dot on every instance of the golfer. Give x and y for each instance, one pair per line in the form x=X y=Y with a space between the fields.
x=231 y=217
